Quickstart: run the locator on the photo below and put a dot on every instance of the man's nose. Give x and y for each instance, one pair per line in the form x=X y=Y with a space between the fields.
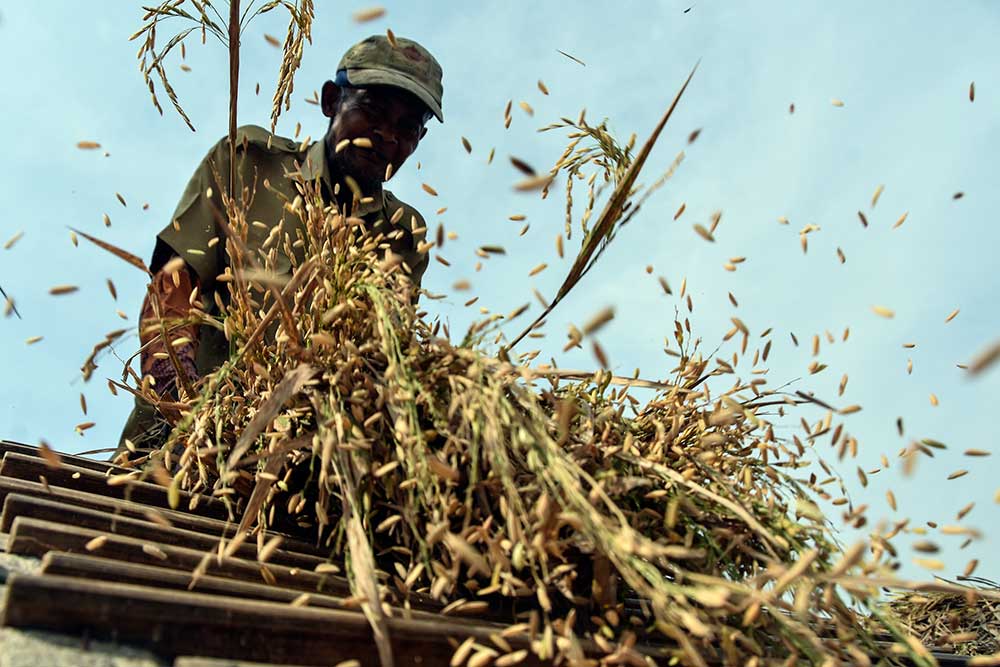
x=386 y=135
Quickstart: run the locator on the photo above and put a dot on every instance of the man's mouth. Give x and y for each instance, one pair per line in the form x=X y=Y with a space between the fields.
x=373 y=155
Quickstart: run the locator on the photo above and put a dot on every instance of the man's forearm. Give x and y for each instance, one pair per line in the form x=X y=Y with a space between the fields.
x=171 y=293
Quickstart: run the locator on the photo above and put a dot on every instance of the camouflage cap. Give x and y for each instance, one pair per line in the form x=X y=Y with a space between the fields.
x=375 y=61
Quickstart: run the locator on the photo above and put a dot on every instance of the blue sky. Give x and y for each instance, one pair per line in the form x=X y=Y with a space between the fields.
x=902 y=70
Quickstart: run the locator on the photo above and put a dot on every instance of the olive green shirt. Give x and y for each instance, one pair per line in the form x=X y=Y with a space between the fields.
x=262 y=157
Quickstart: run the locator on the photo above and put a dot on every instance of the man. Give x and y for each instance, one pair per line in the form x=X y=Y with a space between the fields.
x=384 y=92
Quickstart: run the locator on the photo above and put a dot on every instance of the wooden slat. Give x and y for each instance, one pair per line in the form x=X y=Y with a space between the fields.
x=31 y=537
x=17 y=505
x=188 y=661
x=96 y=568
x=32 y=469
x=177 y=518
x=172 y=623
x=71 y=459
x=93 y=568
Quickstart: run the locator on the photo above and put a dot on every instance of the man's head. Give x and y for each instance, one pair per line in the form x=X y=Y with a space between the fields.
x=385 y=92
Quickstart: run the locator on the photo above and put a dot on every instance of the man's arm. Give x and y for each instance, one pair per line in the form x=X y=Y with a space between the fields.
x=171 y=293
x=189 y=236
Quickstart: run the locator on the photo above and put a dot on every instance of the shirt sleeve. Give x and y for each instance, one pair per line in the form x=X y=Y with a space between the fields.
x=194 y=223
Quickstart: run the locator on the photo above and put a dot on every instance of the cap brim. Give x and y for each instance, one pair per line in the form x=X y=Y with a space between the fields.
x=377 y=77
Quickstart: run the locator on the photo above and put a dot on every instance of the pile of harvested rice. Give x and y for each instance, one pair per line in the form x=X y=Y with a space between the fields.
x=968 y=624
x=442 y=476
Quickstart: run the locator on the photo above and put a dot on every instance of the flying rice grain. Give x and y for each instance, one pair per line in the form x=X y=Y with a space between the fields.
x=368 y=14
x=599 y=320
x=680 y=211
x=878 y=193
x=976 y=452
x=538 y=269
x=901 y=220
x=482 y=658
x=882 y=311
x=462 y=652
x=88 y=145
x=12 y=240
x=957 y=474
x=951 y=316
x=985 y=359
x=929 y=563
x=837 y=102
x=972 y=91
x=524 y=230
x=466 y=145
x=534 y=183
x=361 y=142
x=559 y=245
x=268 y=549
x=526 y=108
x=934 y=400
x=154 y=551
x=32 y=340
x=704 y=233
x=602 y=359
x=514 y=658
x=891 y=499
x=59 y=290
x=523 y=166
x=96 y=543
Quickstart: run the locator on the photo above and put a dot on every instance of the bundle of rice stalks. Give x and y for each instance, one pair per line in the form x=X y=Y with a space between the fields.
x=968 y=623
x=472 y=485
x=442 y=477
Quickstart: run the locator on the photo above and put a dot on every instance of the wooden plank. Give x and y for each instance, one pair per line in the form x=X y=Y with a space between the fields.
x=93 y=568
x=67 y=476
x=97 y=568
x=17 y=505
x=102 y=467
x=189 y=661
x=172 y=623
x=32 y=537
x=177 y=518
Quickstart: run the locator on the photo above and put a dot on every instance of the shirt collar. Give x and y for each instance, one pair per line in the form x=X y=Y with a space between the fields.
x=317 y=166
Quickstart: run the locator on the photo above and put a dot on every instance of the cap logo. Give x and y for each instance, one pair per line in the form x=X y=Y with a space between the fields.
x=413 y=53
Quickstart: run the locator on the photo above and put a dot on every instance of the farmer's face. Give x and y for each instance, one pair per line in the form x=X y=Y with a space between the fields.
x=391 y=118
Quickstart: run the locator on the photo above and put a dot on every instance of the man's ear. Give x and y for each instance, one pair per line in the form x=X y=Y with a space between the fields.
x=330 y=99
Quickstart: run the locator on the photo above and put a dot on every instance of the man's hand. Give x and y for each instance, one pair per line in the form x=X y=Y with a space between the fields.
x=166 y=383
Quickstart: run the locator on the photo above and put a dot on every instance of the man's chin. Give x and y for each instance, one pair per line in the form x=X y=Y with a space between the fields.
x=367 y=174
